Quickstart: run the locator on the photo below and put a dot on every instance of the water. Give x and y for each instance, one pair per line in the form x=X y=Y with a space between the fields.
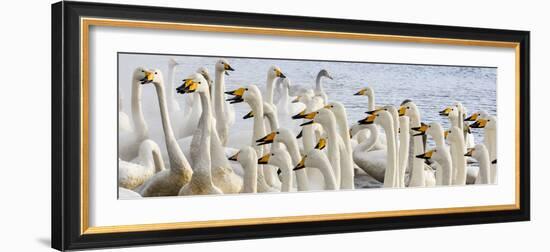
x=432 y=88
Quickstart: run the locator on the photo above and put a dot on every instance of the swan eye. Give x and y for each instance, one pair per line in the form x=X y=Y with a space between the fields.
x=246 y=89
x=317 y=112
x=488 y=120
x=155 y=72
x=408 y=108
x=277 y=132
x=272 y=154
x=142 y=71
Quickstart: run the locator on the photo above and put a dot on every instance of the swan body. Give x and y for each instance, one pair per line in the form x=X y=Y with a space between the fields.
x=480 y=153
x=248 y=159
x=148 y=162
x=373 y=162
x=489 y=126
x=169 y=181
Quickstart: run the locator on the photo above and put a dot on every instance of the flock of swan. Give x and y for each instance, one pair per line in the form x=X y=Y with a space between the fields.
x=297 y=143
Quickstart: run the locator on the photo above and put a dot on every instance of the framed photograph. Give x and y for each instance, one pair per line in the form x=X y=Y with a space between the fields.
x=183 y=125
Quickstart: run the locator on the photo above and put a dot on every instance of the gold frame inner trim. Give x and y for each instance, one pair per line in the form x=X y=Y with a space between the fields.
x=86 y=23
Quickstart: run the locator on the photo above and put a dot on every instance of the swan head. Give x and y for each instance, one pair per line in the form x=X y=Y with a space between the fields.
x=279 y=135
x=408 y=108
x=247 y=94
x=193 y=83
x=477 y=152
x=489 y=122
x=277 y=157
x=379 y=117
x=321 y=144
x=223 y=66
x=453 y=134
x=477 y=115
x=204 y=72
x=368 y=91
x=451 y=112
x=275 y=72
x=325 y=73
x=146 y=76
x=427 y=155
x=337 y=108
x=314 y=158
x=322 y=116
x=245 y=153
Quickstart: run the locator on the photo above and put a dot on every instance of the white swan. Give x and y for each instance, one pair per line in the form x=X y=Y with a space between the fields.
x=285 y=107
x=129 y=141
x=124 y=193
x=480 y=153
x=373 y=162
x=201 y=182
x=317 y=159
x=341 y=120
x=280 y=158
x=169 y=181
x=369 y=93
x=147 y=163
x=441 y=155
x=335 y=147
x=225 y=114
x=273 y=73
x=435 y=130
x=456 y=141
x=489 y=126
x=221 y=172
x=385 y=120
x=319 y=86
x=420 y=174
x=248 y=159
x=253 y=97
x=404 y=145
x=284 y=136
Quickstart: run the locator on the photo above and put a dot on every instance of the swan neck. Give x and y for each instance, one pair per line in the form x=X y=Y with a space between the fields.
x=318 y=84
x=371 y=102
x=171 y=79
x=269 y=86
x=250 y=179
x=137 y=112
x=219 y=89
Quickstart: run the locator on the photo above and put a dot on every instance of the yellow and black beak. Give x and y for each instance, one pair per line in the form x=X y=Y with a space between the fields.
x=267 y=139
x=361 y=92
x=472 y=118
x=445 y=112
x=422 y=129
x=300 y=134
x=469 y=152
x=188 y=86
x=301 y=165
x=402 y=110
x=238 y=95
x=426 y=155
x=264 y=159
x=249 y=115
x=297 y=99
x=321 y=144
x=373 y=112
x=234 y=157
x=279 y=74
x=446 y=133
x=480 y=123
x=148 y=78
x=368 y=120
x=300 y=115
x=309 y=116
x=227 y=67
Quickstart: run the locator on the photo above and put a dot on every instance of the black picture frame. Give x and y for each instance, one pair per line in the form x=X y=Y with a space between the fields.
x=66 y=114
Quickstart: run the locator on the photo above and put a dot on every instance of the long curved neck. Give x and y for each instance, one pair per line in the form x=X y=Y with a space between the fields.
x=219 y=89
x=269 y=85
x=171 y=79
x=418 y=177
x=368 y=143
x=444 y=161
x=458 y=160
x=153 y=157
x=328 y=174
x=318 y=84
x=489 y=139
x=250 y=179
x=371 y=101
x=389 y=177
x=294 y=152
x=404 y=142
x=203 y=164
x=483 y=176
x=286 y=175
x=438 y=138
x=333 y=148
x=137 y=113
x=178 y=162
x=259 y=126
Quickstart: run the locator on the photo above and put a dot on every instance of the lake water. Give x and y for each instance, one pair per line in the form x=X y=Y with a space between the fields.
x=432 y=88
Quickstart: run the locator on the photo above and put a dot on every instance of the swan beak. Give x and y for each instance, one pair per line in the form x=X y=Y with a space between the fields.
x=446 y=133
x=494 y=161
x=300 y=165
x=472 y=118
x=267 y=139
x=234 y=157
x=300 y=115
x=426 y=155
x=227 y=67
x=330 y=77
x=279 y=74
x=402 y=110
x=469 y=153
x=321 y=144
x=264 y=159
x=361 y=92
x=309 y=116
x=238 y=95
x=422 y=129
x=300 y=134
x=188 y=86
x=373 y=112
x=307 y=123
x=149 y=76
x=297 y=99
x=445 y=112
x=368 y=120
x=249 y=115
x=480 y=123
